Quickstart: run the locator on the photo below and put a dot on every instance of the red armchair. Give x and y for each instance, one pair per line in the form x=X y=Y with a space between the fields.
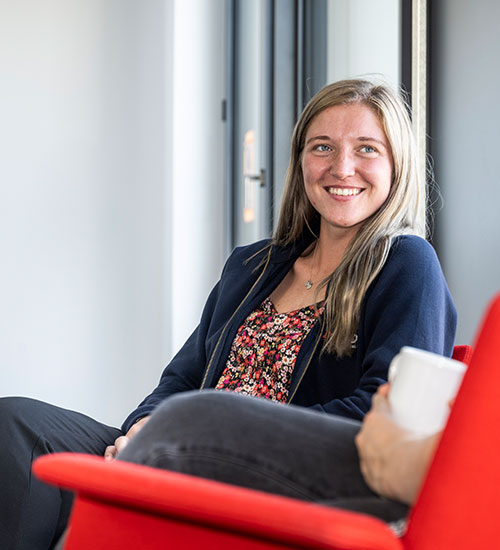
x=124 y=506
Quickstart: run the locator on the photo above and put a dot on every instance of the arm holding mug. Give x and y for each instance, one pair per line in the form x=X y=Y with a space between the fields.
x=393 y=460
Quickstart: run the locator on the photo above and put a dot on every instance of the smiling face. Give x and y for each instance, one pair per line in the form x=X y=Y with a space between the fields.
x=347 y=166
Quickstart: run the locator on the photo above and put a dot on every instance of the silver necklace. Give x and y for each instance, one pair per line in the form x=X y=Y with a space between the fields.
x=309 y=283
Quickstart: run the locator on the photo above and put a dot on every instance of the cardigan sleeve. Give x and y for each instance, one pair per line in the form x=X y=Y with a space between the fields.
x=185 y=371
x=408 y=304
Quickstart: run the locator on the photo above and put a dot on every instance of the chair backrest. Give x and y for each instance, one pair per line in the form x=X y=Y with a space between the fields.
x=458 y=507
x=463 y=353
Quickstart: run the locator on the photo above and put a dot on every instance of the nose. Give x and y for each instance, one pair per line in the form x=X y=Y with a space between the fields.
x=343 y=165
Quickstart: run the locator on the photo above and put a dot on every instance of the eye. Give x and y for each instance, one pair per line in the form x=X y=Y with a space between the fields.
x=368 y=149
x=322 y=148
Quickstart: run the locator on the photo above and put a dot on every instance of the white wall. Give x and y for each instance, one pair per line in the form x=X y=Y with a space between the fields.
x=363 y=38
x=464 y=133
x=92 y=226
x=198 y=149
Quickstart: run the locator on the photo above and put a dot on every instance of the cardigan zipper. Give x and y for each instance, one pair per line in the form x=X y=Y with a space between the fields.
x=231 y=318
x=311 y=355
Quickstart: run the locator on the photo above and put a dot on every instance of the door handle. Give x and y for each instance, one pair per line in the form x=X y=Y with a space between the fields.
x=261 y=177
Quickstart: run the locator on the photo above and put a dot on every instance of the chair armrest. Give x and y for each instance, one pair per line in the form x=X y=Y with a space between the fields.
x=219 y=505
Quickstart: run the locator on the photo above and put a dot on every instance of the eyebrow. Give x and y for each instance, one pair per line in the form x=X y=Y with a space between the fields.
x=322 y=138
x=361 y=138
x=365 y=138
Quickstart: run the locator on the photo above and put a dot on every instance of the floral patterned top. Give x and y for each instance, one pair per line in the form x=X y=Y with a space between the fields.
x=264 y=351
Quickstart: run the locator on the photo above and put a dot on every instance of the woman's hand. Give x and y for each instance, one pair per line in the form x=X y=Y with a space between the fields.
x=122 y=441
x=393 y=461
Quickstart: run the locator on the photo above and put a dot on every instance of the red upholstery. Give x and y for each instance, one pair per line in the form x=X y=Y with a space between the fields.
x=126 y=506
x=459 y=503
x=463 y=353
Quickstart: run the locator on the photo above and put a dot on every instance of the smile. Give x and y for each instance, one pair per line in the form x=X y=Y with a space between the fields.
x=343 y=192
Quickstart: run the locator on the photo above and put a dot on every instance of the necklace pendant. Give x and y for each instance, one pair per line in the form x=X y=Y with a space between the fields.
x=308 y=284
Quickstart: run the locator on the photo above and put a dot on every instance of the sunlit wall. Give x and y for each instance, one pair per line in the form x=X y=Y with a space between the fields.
x=111 y=181
x=465 y=118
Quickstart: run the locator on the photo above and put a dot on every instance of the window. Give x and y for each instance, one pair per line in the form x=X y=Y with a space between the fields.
x=280 y=53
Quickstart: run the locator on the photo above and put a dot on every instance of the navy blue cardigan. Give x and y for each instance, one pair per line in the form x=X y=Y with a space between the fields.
x=408 y=304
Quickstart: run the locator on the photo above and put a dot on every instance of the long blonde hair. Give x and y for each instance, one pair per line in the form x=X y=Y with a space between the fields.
x=403 y=212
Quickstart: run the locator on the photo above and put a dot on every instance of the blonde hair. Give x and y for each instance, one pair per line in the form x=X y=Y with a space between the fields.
x=403 y=212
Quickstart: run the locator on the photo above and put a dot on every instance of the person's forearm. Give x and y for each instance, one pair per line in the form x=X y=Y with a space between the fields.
x=406 y=471
x=393 y=461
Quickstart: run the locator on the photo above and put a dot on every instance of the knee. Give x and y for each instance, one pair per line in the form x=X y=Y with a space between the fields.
x=189 y=406
x=22 y=419
x=17 y=432
x=182 y=421
x=13 y=409
x=197 y=412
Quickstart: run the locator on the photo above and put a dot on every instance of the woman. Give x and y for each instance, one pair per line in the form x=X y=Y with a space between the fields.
x=351 y=225
x=312 y=317
x=347 y=264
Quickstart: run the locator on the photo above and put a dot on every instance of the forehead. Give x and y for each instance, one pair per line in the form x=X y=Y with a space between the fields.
x=350 y=121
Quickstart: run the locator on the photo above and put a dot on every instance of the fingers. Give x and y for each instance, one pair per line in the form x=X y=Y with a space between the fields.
x=122 y=441
x=383 y=390
x=137 y=427
x=361 y=440
x=112 y=450
x=380 y=403
x=380 y=399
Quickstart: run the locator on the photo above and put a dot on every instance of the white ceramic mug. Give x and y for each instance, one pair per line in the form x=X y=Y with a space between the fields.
x=422 y=386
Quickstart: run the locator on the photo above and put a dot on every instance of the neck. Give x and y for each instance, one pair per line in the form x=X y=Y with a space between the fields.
x=331 y=246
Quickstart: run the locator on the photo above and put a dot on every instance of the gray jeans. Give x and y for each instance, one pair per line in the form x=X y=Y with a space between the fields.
x=255 y=443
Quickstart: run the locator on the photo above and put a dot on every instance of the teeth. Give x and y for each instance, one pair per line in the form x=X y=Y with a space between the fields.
x=343 y=192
